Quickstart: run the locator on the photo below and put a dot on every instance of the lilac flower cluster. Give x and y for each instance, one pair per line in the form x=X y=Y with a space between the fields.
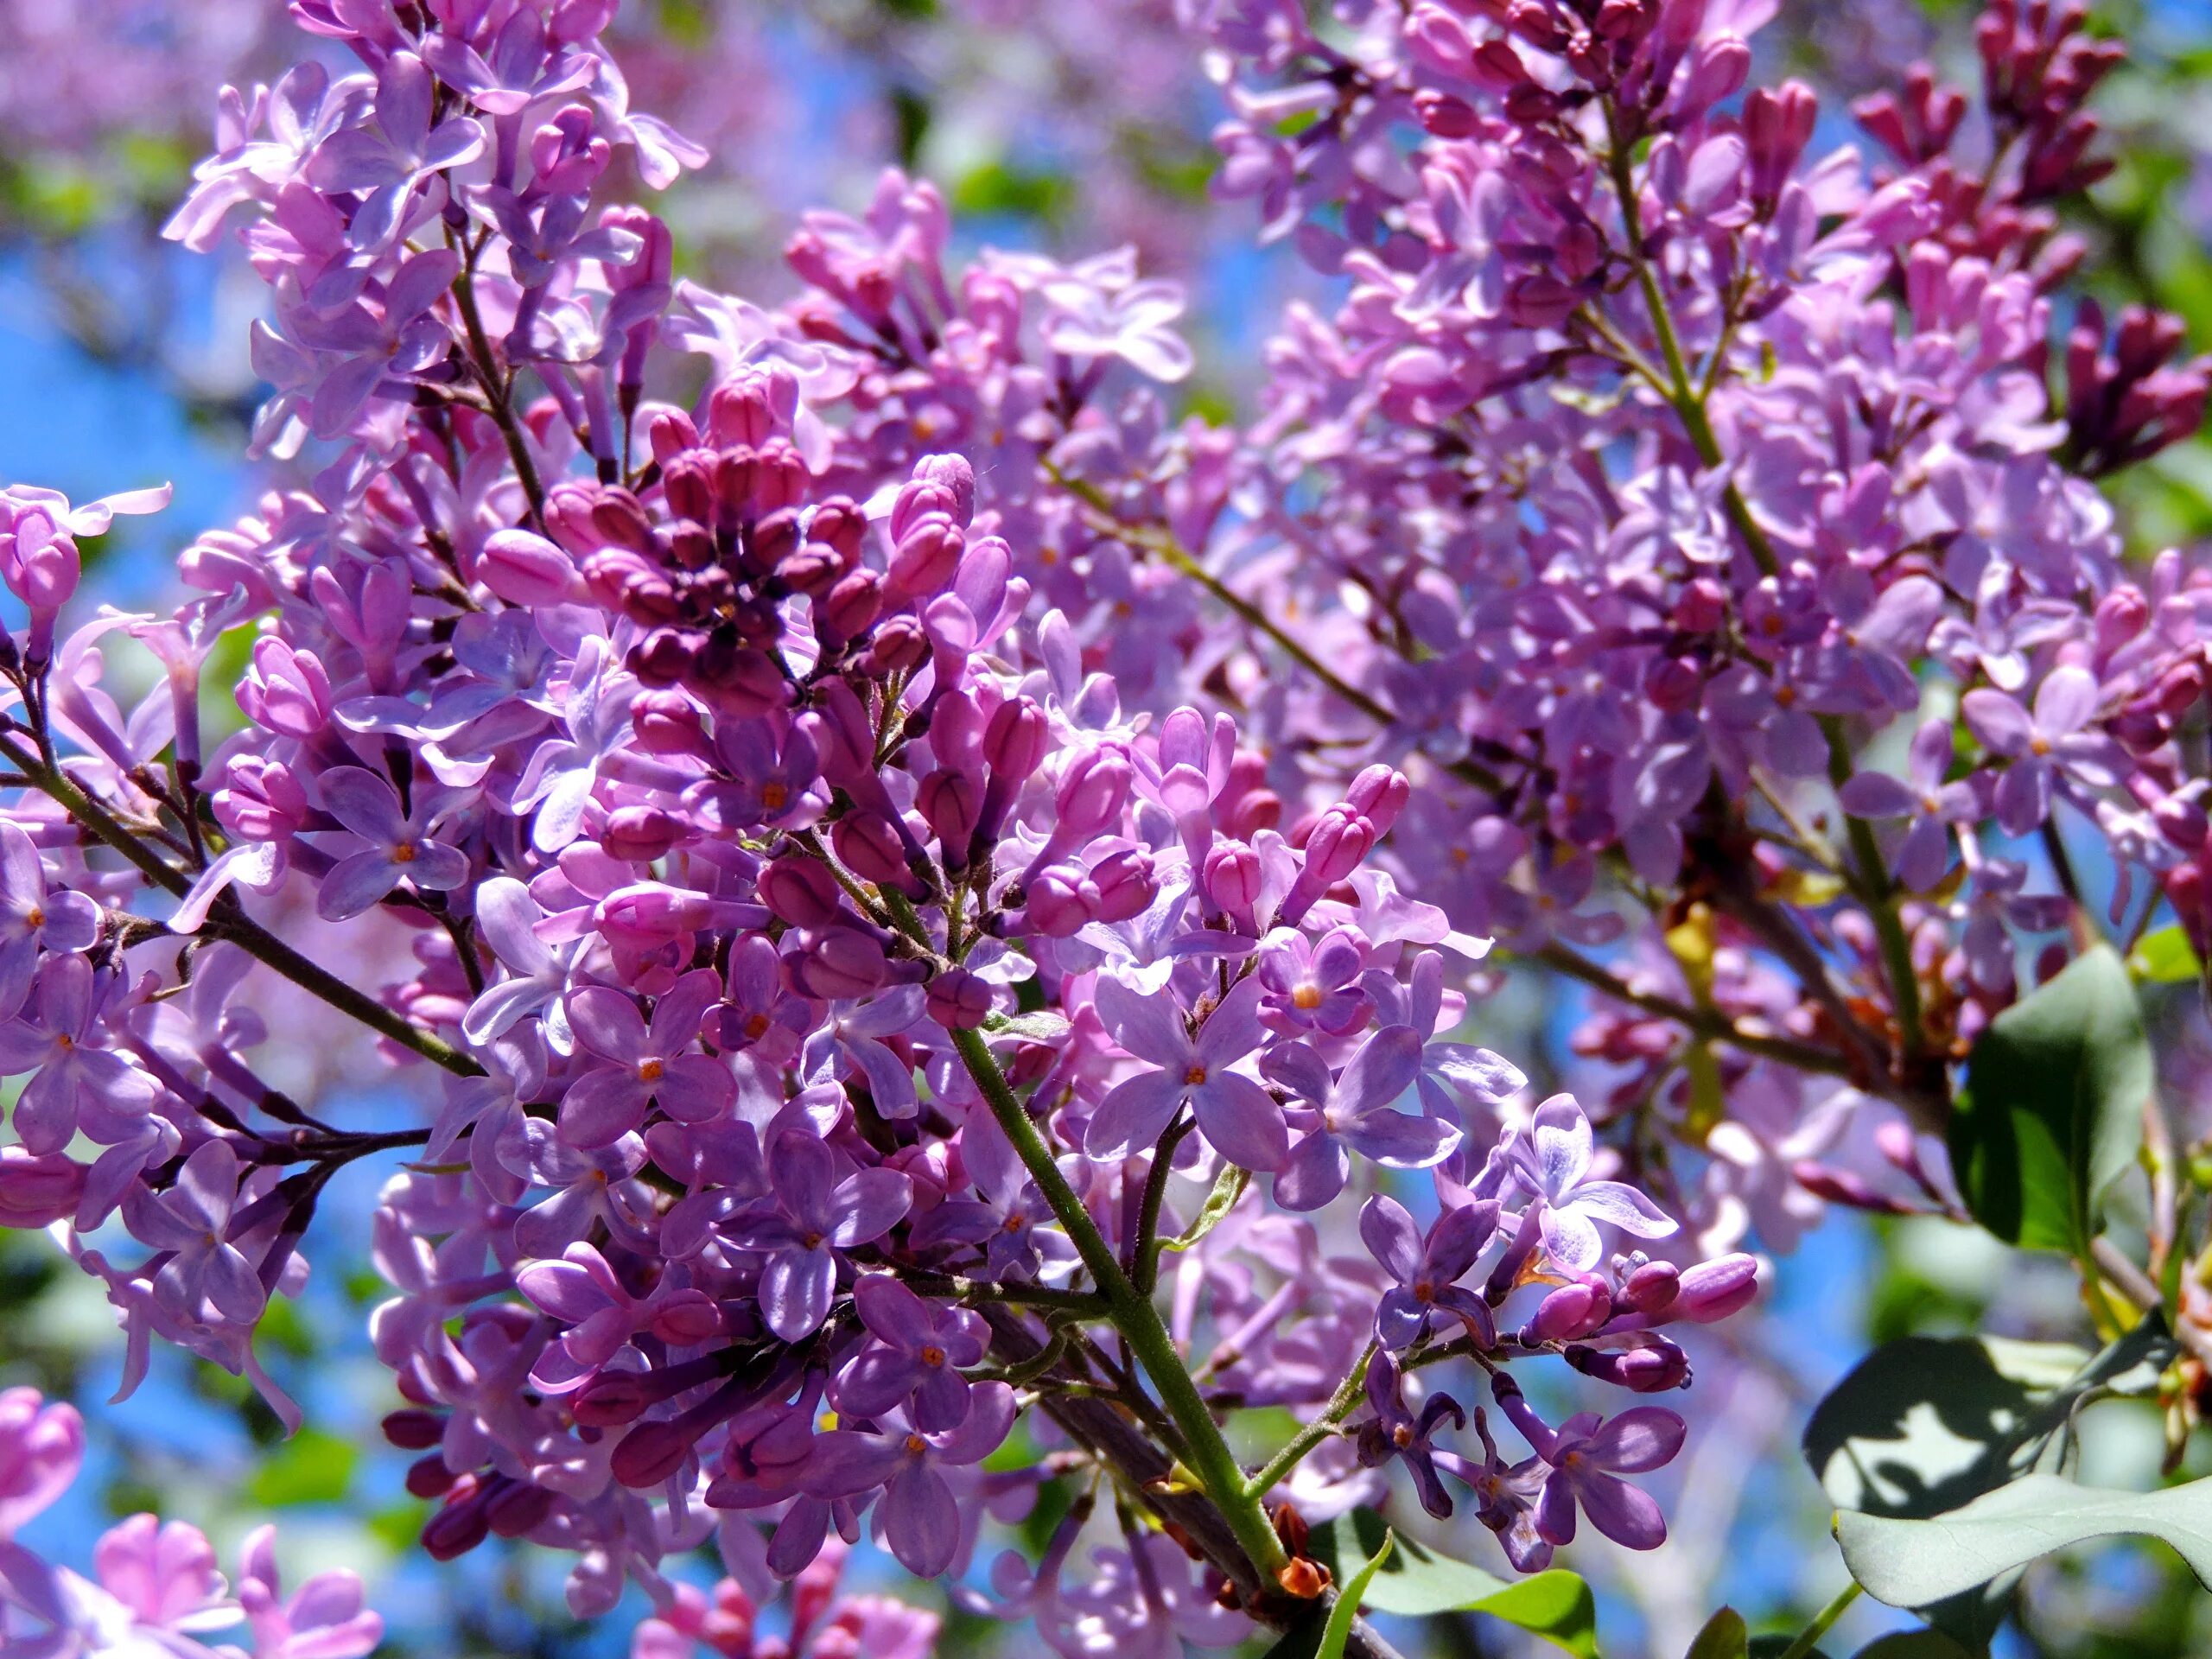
x=154 y=1587
x=842 y=1006
x=921 y=899
x=1656 y=478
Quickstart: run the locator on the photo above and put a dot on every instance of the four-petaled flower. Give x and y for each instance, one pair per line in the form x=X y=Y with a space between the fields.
x=1553 y=1160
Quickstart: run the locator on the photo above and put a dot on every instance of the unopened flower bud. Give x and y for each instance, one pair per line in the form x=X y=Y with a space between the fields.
x=958 y=1000
x=838 y=963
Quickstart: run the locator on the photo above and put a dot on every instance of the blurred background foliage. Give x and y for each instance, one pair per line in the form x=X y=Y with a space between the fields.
x=1071 y=126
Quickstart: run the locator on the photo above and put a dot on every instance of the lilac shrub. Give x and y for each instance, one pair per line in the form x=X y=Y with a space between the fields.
x=918 y=911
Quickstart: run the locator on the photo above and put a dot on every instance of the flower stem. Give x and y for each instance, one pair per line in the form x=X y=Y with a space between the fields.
x=1822 y=1620
x=1341 y=1405
x=1133 y=1316
x=240 y=930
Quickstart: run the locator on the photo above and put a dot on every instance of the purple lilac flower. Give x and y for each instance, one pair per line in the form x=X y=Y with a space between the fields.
x=1353 y=1113
x=1553 y=1162
x=820 y=1210
x=1234 y=1114
x=918 y=1516
x=1428 y=1269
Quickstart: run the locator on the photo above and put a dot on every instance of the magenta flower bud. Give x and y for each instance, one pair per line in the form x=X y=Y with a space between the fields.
x=739 y=413
x=1060 y=901
x=950 y=802
x=458 y=1527
x=1379 y=793
x=1713 y=1290
x=801 y=891
x=1015 y=740
x=569 y=516
x=1234 y=878
x=664 y=658
x=651 y=912
x=667 y=721
x=1124 y=884
x=40 y=563
x=740 y=681
x=639 y=834
x=687 y=1317
x=261 y=800
x=623 y=579
x=811 y=568
x=1647 y=1369
x=784 y=478
x=412 y=1429
x=839 y=524
x=621 y=520
x=2178 y=689
x=518 y=1508
x=737 y=476
x=900 y=646
x=925 y=558
x=2182 y=822
x=1652 y=1288
x=853 y=604
x=37 y=1191
x=1717 y=72
x=669 y=433
x=872 y=848
x=1778 y=126
x=838 y=963
x=1091 y=794
x=1336 y=846
x=1702 y=606
x=651 y=1453
x=958 y=1000
x=1443 y=116
x=429 y=1477
x=614 y=1398
x=2121 y=616
x=286 y=690
x=953 y=475
x=687 y=482
x=1572 y=1312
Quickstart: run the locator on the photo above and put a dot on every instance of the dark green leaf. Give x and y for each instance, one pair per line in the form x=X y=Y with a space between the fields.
x=1924 y=1424
x=1723 y=1637
x=1916 y=1563
x=1912 y=1644
x=1416 y=1582
x=1346 y=1607
x=2052 y=1114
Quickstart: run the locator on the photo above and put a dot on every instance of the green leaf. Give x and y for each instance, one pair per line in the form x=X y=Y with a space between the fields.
x=1912 y=1644
x=996 y=186
x=2165 y=958
x=1228 y=1187
x=1030 y=1028
x=311 y=1467
x=1416 y=1582
x=1338 y=1630
x=1925 y=1424
x=1723 y=1637
x=1772 y=1647
x=2052 y=1113
x=1915 y=1563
